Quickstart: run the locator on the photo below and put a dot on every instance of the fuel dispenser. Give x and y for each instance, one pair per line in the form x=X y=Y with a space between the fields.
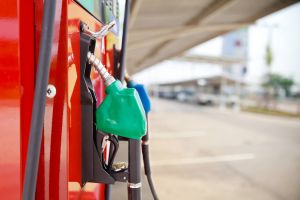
x=120 y=115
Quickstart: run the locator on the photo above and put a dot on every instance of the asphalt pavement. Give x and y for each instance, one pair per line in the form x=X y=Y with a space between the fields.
x=206 y=153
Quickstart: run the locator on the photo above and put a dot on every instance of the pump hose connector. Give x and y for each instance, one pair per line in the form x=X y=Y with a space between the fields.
x=94 y=61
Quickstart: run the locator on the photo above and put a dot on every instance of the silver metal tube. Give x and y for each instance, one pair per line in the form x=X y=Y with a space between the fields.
x=96 y=63
x=103 y=31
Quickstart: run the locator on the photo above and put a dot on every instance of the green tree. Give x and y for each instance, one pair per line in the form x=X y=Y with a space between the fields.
x=286 y=84
x=277 y=81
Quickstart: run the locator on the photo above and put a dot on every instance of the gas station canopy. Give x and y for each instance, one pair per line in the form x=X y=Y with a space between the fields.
x=162 y=29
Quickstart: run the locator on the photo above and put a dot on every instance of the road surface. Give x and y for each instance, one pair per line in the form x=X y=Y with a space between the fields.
x=204 y=153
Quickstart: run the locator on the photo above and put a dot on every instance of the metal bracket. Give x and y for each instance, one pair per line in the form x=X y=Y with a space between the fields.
x=94 y=168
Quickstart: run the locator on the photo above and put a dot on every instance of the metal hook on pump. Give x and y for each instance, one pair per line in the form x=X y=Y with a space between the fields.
x=102 y=32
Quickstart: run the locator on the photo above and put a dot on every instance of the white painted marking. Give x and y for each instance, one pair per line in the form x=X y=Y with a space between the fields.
x=202 y=160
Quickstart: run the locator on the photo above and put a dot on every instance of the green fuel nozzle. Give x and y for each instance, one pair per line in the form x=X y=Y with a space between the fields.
x=121 y=112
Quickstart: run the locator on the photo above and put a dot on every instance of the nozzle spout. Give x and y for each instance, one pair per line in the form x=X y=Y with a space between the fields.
x=102 y=71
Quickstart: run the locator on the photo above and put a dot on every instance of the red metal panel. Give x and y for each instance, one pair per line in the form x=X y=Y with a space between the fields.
x=10 y=94
x=53 y=168
x=53 y=158
x=58 y=171
x=27 y=64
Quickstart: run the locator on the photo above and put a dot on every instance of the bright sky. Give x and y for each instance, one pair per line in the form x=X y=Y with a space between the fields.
x=285 y=43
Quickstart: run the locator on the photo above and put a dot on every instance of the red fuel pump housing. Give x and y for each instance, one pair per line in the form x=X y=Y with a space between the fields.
x=59 y=172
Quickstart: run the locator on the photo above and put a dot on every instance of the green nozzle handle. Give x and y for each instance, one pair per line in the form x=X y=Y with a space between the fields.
x=121 y=112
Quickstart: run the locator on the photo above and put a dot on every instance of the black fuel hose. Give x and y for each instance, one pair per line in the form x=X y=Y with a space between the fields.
x=134 y=170
x=39 y=101
x=147 y=168
x=147 y=165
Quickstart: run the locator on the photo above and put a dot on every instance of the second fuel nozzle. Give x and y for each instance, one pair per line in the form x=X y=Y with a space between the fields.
x=96 y=63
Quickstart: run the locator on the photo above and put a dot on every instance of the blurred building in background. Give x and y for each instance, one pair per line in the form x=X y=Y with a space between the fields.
x=236 y=64
x=206 y=79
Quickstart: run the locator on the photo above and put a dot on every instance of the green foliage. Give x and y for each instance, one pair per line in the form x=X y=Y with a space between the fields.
x=286 y=84
x=265 y=111
x=277 y=81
